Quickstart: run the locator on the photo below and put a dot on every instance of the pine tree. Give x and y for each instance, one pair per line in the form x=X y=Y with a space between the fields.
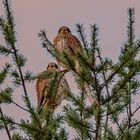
x=113 y=87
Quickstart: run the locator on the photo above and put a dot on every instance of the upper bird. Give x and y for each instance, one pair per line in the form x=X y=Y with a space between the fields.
x=68 y=43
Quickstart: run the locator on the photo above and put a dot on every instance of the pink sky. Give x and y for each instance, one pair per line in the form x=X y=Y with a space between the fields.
x=33 y=15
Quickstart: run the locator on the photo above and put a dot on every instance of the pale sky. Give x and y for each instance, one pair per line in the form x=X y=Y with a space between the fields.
x=33 y=15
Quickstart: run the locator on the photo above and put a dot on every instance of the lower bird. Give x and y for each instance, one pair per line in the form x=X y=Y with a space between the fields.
x=51 y=87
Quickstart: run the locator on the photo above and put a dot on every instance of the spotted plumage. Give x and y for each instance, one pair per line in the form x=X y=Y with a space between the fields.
x=68 y=43
x=45 y=83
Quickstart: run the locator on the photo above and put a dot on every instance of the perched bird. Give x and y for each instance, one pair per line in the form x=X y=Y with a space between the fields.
x=51 y=87
x=69 y=44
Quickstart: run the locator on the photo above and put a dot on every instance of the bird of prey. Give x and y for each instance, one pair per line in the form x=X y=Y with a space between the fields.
x=65 y=42
x=51 y=87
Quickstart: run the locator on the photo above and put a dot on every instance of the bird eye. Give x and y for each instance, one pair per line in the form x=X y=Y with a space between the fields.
x=55 y=66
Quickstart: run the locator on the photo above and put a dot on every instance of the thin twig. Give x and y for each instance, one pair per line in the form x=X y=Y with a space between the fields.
x=20 y=106
x=5 y=124
x=135 y=111
x=117 y=124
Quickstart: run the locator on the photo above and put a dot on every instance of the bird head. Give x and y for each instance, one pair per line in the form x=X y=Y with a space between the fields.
x=52 y=67
x=64 y=31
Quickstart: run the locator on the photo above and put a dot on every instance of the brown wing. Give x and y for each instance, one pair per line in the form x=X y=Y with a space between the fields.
x=62 y=91
x=40 y=88
x=74 y=44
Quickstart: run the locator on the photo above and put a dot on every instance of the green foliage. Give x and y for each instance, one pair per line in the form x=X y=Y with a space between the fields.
x=50 y=127
x=5 y=50
x=4 y=73
x=21 y=60
x=9 y=122
x=6 y=95
x=16 y=136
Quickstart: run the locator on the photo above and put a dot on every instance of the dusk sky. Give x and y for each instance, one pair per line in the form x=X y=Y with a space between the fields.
x=33 y=15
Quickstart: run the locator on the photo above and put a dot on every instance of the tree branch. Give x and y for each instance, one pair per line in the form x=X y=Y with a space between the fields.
x=5 y=124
